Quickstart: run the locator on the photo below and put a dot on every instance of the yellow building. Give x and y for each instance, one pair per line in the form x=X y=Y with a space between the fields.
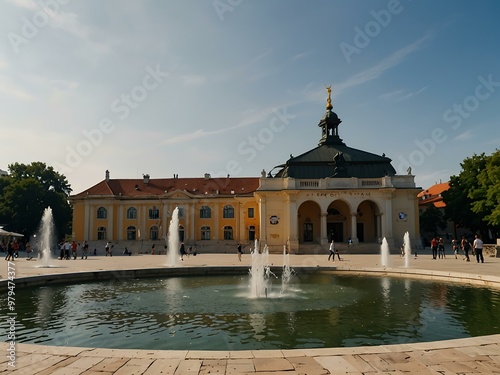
x=330 y=192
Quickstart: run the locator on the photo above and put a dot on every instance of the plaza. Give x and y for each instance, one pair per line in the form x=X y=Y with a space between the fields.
x=479 y=355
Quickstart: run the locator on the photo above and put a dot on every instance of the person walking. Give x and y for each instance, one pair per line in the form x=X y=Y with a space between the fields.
x=10 y=251
x=240 y=251
x=454 y=246
x=441 y=248
x=465 y=244
x=67 y=249
x=85 y=249
x=434 y=247
x=107 y=248
x=74 y=247
x=332 y=251
x=478 y=248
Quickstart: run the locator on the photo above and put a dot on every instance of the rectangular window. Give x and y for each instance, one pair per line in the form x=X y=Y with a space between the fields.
x=251 y=212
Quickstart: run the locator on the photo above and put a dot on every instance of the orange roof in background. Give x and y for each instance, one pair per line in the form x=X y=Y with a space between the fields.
x=162 y=186
x=433 y=195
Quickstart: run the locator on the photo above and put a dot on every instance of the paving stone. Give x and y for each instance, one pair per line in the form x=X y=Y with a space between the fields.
x=189 y=367
x=163 y=367
x=336 y=364
x=376 y=362
x=307 y=366
x=358 y=363
x=239 y=366
x=202 y=354
x=109 y=364
x=62 y=364
x=41 y=363
x=135 y=366
x=241 y=354
x=272 y=364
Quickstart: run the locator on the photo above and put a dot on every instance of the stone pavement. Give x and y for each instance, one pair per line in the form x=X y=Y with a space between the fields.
x=479 y=355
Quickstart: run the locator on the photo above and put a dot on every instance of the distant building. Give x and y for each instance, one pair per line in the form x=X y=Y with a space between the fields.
x=3 y=173
x=329 y=192
x=433 y=195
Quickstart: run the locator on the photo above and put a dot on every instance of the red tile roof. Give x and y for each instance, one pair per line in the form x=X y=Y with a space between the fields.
x=162 y=186
x=433 y=195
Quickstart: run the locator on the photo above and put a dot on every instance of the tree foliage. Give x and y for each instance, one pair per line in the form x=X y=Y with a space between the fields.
x=27 y=191
x=473 y=200
x=431 y=220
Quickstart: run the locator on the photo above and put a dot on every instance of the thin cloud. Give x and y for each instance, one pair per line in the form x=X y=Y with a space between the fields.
x=465 y=136
x=376 y=71
x=301 y=55
x=399 y=95
x=194 y=80
x=373 y=72
x=26 y=4
x=13 y=91
x=252 y=117
x=242 y=71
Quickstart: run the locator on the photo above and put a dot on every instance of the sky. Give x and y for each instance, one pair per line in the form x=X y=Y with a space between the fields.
x=235 y=87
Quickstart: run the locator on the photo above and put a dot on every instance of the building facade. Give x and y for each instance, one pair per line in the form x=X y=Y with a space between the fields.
x=330 y=192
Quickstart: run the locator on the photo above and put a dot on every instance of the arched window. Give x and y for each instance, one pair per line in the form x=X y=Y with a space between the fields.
x=228 y=233
x=205 y=233
x=132 y=213
x=205 y=212
x=131 y=233
x=101 y=233
x=102 y=213
x=153 y=233
x=228 y=212
x=154 y=213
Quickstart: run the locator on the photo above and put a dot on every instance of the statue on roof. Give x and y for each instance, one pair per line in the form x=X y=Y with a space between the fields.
x=329 y=99
x=339 y=162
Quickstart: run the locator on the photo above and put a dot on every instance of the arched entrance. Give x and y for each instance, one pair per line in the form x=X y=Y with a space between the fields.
x=367 y=222
x=337 y=223
x=309 y=221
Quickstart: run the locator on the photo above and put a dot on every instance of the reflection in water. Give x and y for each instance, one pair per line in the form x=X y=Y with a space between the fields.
x=385 y=283
x=200 y=313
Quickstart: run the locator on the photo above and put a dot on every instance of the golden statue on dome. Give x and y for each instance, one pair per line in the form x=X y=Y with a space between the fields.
x=329 y=106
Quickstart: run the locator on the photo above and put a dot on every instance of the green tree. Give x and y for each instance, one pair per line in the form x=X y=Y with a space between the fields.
x=432 y=219
x=486 y=196
x=467 y=199
x=27 y=191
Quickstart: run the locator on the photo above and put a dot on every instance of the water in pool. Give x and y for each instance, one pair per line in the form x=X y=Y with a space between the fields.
x=216 y=313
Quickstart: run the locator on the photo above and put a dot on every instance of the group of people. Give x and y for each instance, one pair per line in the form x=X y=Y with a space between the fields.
x=68 y=250
x=12 y=248
x=464 y=245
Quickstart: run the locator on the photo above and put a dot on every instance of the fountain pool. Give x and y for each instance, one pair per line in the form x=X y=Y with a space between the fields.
x=320 y=309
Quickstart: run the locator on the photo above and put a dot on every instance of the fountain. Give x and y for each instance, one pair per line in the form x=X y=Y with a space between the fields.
x=173 y=239
x=46 y=237
x=384 y=253
x=260 y=273
x=407 y=248
x=287 y=271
